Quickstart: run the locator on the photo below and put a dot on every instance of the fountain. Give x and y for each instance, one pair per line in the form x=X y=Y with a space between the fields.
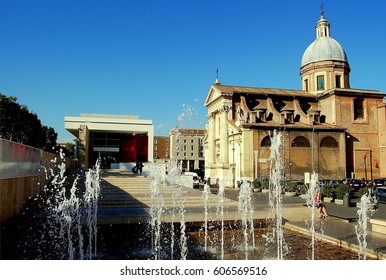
x=205 y=197
x=156 y=210
x=275 y=194
x=245 y=209
x=363 y=220
x=311 y=193
x=72 y=231
x=220 y=214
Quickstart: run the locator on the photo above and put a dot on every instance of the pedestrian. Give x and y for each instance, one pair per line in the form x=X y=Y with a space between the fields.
x=139 y=167
x=322 y=210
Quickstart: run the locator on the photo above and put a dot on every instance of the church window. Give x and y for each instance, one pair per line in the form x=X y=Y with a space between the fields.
x=300 y=141
x=266 y=142
x=358 y=109
x=316 y=119
x=337 y=81
x=329 y=142
x=262 y=116
x=320 y=82
x=290 y=117
x=306 y=84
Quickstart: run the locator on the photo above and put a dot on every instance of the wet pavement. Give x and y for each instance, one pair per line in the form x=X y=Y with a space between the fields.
x=338 y=228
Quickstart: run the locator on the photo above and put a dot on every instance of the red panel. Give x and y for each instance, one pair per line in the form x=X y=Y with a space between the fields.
x=134 y=148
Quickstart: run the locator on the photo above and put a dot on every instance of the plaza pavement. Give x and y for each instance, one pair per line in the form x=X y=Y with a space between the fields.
x=125 y=198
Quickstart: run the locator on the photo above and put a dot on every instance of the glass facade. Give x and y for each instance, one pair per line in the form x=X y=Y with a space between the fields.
x=116 y=147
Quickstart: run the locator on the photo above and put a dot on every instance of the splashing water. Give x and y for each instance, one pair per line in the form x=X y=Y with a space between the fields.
x=183 y=238
x=172 y=234
x=275 y=193
x=205 y=196
x=75 y=215
x=188 y=117
x=156 y=210
x=361 y=227
x=220 y=213
x=66 y=213
x=312 y=191
x=245 y=209
x=91 y=196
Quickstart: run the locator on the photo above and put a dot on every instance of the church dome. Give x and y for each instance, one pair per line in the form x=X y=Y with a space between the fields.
x=324 y=48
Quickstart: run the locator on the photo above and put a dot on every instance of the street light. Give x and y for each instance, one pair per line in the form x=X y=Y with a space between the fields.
x=371 y=165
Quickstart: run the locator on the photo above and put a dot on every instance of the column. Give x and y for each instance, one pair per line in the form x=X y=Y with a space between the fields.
x=224 y=151
x=211 y=137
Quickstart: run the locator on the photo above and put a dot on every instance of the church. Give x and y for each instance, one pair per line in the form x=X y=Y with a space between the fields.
x=326 y=127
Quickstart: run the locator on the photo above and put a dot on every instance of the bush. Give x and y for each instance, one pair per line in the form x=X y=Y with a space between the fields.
x=341 y=190
x=326 y=190
x=265 y=185
x=304 y=188
x=362 y=191
x=290 y=187
x=256 y=184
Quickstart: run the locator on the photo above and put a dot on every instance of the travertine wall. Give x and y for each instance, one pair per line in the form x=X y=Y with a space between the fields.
x=15 y=190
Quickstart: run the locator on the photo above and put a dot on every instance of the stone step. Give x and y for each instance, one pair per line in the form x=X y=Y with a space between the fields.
x=127 y=199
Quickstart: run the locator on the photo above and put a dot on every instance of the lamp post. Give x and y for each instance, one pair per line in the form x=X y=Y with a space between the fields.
x=371 y=166
x=365 y=166
x=370 y=153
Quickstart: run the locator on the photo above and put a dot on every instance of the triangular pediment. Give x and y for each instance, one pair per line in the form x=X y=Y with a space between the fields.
x=212 y=95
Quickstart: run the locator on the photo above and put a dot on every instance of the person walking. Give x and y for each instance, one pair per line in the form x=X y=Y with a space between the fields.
x=322 y=210
x=139 y=167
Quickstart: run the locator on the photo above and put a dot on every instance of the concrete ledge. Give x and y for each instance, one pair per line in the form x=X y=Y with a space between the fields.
x=337 y=241
x=338 y=201
x=378 y=226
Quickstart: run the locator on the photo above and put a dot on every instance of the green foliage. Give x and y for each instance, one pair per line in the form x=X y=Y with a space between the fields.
x=290 y=186
x=341 y=190
x=304 y=188
x=19 y=125
x=256 y=184
x=362 y=191
x=326 y=190
x=265 y=184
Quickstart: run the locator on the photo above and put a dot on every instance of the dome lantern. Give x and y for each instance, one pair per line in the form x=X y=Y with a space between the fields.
x=324 y=64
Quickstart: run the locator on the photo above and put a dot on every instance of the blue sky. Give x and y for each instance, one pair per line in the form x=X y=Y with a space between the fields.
x=157 y=59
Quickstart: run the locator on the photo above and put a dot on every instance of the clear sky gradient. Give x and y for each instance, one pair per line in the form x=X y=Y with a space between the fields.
x=157 y=59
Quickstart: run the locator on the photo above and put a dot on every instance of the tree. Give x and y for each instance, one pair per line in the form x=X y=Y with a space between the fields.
x=20 y=125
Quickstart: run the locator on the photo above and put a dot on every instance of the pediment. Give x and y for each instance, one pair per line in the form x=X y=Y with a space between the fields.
x=212 y=95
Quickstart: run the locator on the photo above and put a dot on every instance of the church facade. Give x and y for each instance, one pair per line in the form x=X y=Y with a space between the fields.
x=326 y=127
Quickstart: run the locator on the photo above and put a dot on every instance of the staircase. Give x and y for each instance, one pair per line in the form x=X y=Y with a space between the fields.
x=126 y=198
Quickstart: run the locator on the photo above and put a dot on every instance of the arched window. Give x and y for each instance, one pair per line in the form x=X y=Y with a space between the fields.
x=266 y=142
x=329 y=142
x=300 y=141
